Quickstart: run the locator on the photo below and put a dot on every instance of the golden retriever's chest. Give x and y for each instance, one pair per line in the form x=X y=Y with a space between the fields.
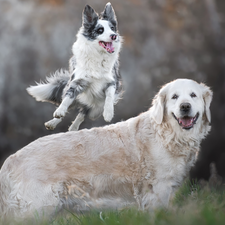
x=175 y=169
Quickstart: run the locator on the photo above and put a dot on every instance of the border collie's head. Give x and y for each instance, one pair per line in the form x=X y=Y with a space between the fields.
x=101 y=28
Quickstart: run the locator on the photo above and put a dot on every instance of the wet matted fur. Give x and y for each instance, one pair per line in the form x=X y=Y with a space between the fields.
x=141 y=161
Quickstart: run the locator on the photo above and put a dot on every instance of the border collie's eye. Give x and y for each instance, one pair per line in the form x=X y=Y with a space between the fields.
x=193 y=95
x=175 y=96
x=100 y=30
x=113 y=28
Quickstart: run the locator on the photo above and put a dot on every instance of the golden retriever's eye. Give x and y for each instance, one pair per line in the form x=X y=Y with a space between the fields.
x=193 y=95
x=175 y=96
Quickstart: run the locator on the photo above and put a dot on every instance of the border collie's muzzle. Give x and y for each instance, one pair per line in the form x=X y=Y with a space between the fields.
x=108 y=45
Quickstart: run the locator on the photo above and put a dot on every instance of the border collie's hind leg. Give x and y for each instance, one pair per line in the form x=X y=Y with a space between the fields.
x=75 y=88
x=51 y=124
x=79 y=119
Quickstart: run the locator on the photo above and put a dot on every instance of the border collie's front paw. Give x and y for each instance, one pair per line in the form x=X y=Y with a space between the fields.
x=108 y=115
x=49 y=125
x=60 y=112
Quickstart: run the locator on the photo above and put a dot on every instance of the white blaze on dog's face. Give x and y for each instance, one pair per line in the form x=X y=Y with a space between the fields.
x=183 y=102
x=102 y=30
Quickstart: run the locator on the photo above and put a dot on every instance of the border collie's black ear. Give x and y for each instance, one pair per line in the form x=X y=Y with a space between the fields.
x=109 y=14
x=89 y=16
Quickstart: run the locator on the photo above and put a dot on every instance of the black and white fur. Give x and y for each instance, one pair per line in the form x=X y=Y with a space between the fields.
x=93 y=82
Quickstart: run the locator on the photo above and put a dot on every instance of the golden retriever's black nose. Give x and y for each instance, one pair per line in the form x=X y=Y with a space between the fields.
x=185 y=107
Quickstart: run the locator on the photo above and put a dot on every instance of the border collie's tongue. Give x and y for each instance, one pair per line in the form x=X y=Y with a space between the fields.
x=107 y=45
x=186 y=121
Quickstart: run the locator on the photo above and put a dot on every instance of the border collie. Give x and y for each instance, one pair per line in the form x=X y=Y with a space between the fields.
x=93 y=82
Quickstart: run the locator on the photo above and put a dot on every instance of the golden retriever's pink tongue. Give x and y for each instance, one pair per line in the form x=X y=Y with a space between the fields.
x=186 y=121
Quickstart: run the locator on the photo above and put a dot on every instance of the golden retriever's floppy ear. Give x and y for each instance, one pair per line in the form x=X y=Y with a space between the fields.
x=157 y=110
x=207 y=96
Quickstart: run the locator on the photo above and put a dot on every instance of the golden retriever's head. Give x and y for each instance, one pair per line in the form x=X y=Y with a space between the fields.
x=184 y=103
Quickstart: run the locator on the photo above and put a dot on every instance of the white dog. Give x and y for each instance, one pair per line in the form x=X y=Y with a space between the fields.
x=140 y=161
x=93 y=83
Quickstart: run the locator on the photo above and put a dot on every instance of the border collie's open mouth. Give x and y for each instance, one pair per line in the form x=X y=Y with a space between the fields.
x=187 y=122
x=107 y=45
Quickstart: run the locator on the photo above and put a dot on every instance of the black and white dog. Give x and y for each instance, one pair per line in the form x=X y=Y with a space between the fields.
x=93 y=82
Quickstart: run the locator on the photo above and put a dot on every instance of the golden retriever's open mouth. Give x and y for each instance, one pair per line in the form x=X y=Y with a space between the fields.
x=187 y=122
x=107 y=45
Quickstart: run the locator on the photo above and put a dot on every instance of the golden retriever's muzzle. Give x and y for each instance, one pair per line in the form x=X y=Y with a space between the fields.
x=185 y=121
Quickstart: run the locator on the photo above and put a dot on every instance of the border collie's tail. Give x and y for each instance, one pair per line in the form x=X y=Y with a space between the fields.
x=52 y=89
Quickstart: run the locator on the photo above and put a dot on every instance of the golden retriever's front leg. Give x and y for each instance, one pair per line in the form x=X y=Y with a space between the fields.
x=158 y=196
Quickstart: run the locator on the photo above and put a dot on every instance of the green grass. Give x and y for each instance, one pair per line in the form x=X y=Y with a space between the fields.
x=192 y=205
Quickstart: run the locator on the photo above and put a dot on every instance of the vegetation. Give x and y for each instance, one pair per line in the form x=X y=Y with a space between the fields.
x=193 y=204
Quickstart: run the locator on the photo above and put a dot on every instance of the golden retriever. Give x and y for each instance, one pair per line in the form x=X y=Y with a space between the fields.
x=141 y=161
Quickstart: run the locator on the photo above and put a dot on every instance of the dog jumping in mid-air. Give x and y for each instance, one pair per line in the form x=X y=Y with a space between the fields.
x=93 y=81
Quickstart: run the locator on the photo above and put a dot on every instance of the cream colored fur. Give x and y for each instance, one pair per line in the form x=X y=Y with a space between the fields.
x=141 y=161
